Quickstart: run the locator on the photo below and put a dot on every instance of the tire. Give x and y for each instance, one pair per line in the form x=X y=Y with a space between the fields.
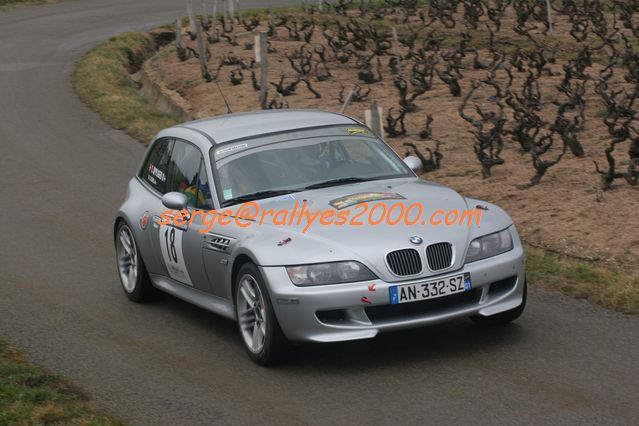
x=259 y=329
x=503 y=317
x=133 y=274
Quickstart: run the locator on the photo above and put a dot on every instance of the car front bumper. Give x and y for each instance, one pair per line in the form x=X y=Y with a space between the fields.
x=352 y=311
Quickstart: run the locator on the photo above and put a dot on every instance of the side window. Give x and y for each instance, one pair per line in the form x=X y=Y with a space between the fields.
x=183 y=172
x=205 y=201
x=154 y=171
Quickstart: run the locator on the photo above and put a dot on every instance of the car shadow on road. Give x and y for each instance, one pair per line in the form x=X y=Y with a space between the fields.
x=459 y=338
x=441 y=341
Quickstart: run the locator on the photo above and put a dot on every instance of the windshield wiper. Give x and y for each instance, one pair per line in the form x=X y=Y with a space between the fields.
x=257 y=196
x=335 y=182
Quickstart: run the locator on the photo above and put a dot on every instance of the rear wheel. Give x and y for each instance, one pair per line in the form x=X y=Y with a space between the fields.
x=133 y=275
x=503 y=317
x=261 y=333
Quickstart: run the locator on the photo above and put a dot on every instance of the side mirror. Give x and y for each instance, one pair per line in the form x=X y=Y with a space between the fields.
x=174 y=201
x=413 y=162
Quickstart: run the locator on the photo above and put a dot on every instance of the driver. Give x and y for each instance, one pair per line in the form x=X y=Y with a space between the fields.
x=314 y=155
x=235 y=181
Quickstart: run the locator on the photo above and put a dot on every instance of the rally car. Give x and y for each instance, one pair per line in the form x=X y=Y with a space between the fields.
x=286 y=281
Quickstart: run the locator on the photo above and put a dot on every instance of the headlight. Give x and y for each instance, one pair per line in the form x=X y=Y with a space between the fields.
x=489 y=245
x=329 y=273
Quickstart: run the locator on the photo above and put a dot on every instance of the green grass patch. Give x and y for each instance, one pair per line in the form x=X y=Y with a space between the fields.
x=606 y=286
x=102 y=79
x=12 y=4
x=31 y=395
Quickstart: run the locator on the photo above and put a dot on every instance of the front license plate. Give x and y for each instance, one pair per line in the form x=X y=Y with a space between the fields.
x=430 y=289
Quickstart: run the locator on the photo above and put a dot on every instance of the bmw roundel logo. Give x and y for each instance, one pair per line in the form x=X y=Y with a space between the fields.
x=415 y=240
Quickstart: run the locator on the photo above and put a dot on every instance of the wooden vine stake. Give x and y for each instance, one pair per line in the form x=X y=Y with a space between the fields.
x=231 y=9
x=178 y=34
x=373 y=118
x=202 y=53
x=192 y=23
x=205 y=15
x=263 y=59
x=347 y=101
x=396 y=47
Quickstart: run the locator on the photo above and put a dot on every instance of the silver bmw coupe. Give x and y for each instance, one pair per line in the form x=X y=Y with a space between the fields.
x=304 y=226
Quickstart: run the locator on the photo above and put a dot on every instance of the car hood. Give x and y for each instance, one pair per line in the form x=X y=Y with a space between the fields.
x=274 y=243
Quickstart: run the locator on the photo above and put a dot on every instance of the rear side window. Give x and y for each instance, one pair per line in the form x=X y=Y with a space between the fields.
x=155 y=169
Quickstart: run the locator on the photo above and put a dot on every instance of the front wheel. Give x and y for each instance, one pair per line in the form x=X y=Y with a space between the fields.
x=503 y=317
x=261 y=333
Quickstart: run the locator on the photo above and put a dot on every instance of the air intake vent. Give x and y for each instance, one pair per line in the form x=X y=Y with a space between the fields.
x=216 y=242
x=439 y=256
x=404 y=262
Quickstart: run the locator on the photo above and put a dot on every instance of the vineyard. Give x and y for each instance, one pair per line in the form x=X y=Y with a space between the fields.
x=506 y=100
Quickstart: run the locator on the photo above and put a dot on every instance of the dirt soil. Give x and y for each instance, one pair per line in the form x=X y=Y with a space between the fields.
x=567 y=212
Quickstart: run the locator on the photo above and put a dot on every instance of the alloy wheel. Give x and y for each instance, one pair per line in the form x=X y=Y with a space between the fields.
x=251 y=313
x=127 y=259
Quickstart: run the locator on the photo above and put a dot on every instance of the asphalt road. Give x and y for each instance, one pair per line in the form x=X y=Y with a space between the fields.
x=62 y=175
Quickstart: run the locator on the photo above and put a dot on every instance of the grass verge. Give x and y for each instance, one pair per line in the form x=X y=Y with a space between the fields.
x=102 y=79
x=606 y=286
x=31 y=395
x=12 y=4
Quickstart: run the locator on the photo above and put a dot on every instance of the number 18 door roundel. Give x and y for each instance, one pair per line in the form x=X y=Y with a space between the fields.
x=171 y=245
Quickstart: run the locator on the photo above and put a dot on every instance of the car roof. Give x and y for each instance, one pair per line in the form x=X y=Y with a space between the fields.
x=230 y=127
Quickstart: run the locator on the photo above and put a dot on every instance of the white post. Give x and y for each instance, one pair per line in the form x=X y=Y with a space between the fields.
x=549 y=15
x=256 y=48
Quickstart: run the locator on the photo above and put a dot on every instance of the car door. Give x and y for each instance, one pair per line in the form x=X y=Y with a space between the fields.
x=180 y=240
x=214 y=243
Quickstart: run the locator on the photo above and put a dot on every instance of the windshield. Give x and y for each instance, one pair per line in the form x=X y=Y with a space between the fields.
x=298 y=164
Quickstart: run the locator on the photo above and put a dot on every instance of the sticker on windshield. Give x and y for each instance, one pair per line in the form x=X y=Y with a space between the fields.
x=363 y=197
x=357 y=131
x=228 y=193
x=228 y=149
